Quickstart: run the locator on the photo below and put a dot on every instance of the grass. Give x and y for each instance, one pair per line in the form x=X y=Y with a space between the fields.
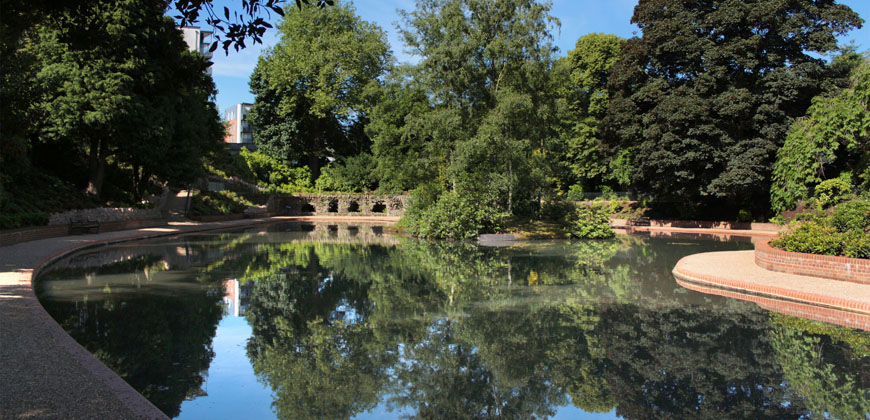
x=536 y=229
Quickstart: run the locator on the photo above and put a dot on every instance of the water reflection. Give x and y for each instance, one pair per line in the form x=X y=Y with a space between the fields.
x=347 y=321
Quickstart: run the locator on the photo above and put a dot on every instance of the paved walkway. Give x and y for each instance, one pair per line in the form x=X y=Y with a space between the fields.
x=44 y=373
x=735 y=274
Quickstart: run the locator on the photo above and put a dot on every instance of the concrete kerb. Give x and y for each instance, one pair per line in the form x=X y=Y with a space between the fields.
x=126 y=395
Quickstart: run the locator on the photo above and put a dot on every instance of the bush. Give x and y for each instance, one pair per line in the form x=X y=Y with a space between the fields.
x=845 y=231
x=271 y=172
x=811 y=238
x=591 y=223
x=354 y=175
x=454 y=215
x=558 y=210
x=216 y=203
x=831 y=192
x=852 y=216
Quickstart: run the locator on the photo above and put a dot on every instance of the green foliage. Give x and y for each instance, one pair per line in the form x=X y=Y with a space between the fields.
x=823 y=365
x=704 y=100
x=832 y=139
x=852 y=216
x=116 y=80
x=30 y=200
x=845 y=232
x=831 y=192
x=584 y=90
x=271 y=172
x=306 y=105
x=591 y=222
x=216 y=203
x=354 y=175
x=454 y=215
x=482 y=85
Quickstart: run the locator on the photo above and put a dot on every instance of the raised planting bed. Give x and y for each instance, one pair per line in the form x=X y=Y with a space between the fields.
x=856 y=270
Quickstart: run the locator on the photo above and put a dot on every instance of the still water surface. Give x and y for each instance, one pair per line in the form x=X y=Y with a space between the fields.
x=295 y=321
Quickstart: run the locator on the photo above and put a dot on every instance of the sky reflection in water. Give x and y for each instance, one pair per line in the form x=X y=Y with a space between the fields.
x=318 y=321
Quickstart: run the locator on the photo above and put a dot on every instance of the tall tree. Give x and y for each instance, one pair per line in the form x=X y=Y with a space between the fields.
x=707 y=93
x=583 y=86
x=309 y=86
x=832 y=138
x=484 y=70
x=116 y=80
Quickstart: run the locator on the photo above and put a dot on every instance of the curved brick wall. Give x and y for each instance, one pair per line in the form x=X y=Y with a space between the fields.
x=856 y=270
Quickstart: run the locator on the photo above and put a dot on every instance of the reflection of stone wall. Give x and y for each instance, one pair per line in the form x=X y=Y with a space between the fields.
x=338 y=204
x=348 y=233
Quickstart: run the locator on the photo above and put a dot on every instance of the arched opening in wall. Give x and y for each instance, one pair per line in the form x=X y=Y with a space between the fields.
x=333 y=206
x=303 y=227
x=352 y=230
x=308 y=208
x=333 y=231
x=378 y=230
x=379 y=207
x=353 y=207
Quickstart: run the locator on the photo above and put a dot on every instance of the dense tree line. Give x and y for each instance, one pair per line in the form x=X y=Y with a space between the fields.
x=103 y=92
x=689 y=115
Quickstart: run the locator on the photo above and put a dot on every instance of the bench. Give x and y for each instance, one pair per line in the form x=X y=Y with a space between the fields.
x=82 y=226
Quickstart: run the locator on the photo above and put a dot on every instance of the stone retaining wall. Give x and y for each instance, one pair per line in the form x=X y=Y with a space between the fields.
x=103 y=215
x=338 y=204
x=14 y=236
x=856 y=270
x=703 y=224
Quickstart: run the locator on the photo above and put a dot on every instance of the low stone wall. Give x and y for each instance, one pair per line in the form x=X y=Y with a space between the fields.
x=103 y=215
x=338 y=204
x=856 y=270
x=703 y=224
x=14 y=236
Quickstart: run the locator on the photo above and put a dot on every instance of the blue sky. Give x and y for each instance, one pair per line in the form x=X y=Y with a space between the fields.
x=578 y=17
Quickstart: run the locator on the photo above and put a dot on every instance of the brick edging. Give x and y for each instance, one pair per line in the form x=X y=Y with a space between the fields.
x=855 y=270
x=848 y=305
x=788 y=307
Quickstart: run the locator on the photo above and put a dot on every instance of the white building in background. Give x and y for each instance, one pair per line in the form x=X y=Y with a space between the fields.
x=239 y=131
x=196 y=41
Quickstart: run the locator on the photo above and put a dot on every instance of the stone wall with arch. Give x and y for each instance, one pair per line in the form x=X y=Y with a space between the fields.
x=335 y=204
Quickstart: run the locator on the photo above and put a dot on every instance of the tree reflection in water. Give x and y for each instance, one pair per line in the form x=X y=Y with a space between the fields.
x=453 y=330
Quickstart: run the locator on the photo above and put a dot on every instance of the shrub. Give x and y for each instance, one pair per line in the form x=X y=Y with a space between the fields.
x=831 y=192
x=591 y=222
x=811 y=238
x=454 y=215
x=852 y=216
x=845 y=231
x=214 y=203
x=353 y=174
x=558 y=210
x=575 y=192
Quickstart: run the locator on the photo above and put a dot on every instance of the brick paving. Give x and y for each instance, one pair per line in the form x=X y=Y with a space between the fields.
x=736 y=272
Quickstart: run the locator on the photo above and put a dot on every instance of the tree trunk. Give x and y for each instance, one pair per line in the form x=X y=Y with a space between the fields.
x=97 y=158
x=510 y=188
